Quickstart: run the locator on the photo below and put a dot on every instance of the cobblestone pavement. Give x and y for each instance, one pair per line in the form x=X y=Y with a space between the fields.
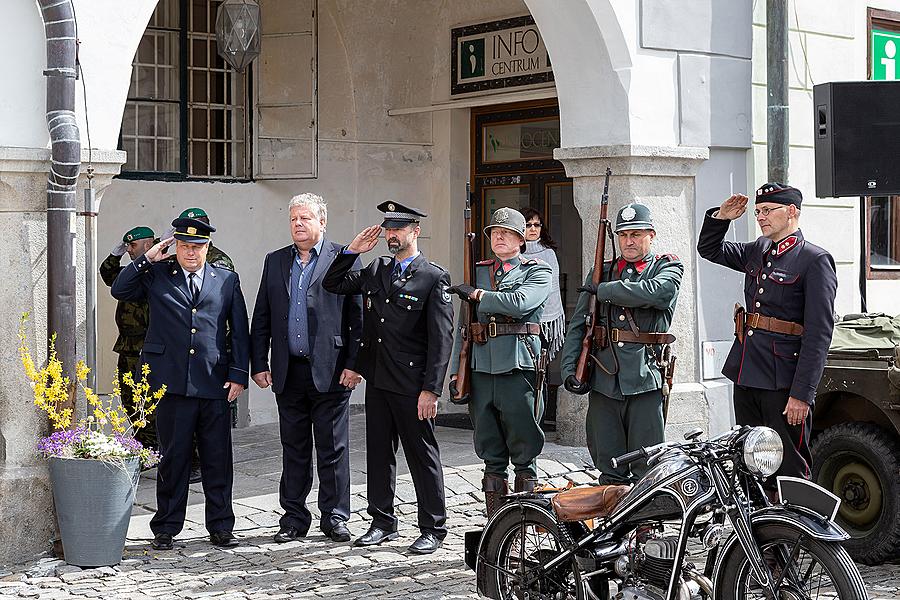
x=313 y=567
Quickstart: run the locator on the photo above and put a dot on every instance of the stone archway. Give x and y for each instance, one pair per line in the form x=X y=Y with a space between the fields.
x=619 y=108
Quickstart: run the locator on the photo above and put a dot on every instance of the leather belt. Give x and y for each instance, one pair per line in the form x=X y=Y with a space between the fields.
x=623 y=335
x=481 y=331
x=759 y=321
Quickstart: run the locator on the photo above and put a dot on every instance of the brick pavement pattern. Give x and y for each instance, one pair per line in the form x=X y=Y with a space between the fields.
x=313 y=567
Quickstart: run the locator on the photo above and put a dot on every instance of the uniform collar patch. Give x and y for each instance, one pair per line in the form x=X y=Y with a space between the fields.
x=786 y=244
x=639 y=265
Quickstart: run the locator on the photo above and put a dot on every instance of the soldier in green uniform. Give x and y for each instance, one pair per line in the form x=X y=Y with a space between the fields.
x=638 y=294
x=509 y=297
x=131 y=319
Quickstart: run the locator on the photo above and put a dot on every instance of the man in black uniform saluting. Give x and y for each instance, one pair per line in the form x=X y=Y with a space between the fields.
x=782 y=337
x=191 y=305
x=403 y=355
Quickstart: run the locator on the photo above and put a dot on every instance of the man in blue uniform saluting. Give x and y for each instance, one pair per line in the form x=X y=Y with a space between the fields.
x=192 y=305
x=783 y=334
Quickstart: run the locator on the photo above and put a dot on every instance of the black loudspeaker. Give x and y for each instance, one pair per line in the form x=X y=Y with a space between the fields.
x=857 y=138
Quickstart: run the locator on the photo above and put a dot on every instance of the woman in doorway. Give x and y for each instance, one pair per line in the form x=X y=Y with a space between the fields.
x=539 y=245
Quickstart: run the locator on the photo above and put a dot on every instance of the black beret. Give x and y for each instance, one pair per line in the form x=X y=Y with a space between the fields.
x=778 y=193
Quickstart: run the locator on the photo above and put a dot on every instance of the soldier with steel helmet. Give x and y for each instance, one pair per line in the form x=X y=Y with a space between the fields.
x=504 y=405
x=638 y=293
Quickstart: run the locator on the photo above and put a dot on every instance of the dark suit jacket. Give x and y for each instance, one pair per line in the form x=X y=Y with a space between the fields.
x=185 y=343
x=408 y=324
x=335 y=323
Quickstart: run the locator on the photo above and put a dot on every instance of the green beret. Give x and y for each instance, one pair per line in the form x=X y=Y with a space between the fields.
x=193 y=213
x=138 y=233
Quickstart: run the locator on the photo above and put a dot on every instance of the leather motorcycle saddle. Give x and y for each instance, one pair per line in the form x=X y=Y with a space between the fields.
x=590 y=502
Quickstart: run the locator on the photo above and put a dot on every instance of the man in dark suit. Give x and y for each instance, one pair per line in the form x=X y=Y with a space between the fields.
x=191 y=304
x=314 y=337
x=407 y=336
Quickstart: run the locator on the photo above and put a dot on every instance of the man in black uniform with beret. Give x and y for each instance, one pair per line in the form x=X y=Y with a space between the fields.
x=192 y=303
x=782 y=337
x=403 y=355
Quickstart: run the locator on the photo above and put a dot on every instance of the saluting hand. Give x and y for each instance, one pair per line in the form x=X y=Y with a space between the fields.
x=156 y=253
x=733 y=208
x=427 y=405
x=365 y=240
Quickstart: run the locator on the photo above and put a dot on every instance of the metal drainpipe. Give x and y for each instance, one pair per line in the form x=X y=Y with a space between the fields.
x=65 y=163
x=777 y=126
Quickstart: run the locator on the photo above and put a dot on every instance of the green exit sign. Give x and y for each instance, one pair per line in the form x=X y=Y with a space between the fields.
x=885 y=59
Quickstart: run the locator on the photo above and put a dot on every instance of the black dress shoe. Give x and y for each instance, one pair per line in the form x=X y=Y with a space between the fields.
x=223 y=539
x=195 y=475
x=426 y=544
x=375 y=536
x=339 y=533
x=162 y=541
x=288 y=534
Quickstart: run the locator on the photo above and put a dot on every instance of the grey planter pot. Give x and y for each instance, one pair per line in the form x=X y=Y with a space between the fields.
x=93 y=507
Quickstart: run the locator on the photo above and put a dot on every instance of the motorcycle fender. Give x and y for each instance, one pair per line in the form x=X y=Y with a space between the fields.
x=473 y=541
x=811 y=523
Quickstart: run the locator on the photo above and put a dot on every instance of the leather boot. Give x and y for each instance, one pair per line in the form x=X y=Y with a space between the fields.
x=495 y=487
x=524 y=483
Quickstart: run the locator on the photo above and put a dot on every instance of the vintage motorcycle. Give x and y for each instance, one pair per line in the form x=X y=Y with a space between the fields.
x=554 y=544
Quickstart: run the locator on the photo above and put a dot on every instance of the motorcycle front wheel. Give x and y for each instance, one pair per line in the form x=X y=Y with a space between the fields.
x=808 y=569
x=522 y=542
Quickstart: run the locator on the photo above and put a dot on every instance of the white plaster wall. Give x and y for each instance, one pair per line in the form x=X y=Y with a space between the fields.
x=828 y=42
x=105 y=52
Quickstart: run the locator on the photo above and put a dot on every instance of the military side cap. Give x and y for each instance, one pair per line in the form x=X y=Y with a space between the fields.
x=193 y=213
x=507 y=218
x=633 y=216
x=192 y=230
x=138 y=233
x=778 y=193
x=397 y=215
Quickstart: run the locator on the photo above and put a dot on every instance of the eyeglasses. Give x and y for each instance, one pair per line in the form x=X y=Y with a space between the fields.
x=765 y=211
x=535 y=225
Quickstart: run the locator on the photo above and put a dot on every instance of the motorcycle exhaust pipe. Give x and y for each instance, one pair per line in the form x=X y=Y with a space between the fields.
x=695 y=576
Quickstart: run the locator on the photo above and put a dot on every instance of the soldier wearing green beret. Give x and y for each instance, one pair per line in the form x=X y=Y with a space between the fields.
x=509 y=296
x=131 y=319
x=638 y=293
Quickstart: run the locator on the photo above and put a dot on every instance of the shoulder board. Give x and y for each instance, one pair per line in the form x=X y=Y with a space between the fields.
x=534 y=261
x=666 y=256
x=434 y=264
x=483 y=263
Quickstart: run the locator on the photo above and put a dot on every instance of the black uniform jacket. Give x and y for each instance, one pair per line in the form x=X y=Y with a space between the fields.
x=185 y=343
x=335 y=323
x=407 y=325
x=792 y=280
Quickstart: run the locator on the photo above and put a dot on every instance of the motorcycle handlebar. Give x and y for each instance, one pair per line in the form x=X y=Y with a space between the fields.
x=630 y=457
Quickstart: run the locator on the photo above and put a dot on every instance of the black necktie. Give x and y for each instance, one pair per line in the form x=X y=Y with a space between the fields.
x=395 y=274
x=195 y=291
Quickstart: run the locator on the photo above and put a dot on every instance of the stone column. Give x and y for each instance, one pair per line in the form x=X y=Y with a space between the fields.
x=26 y=502
x=663 y=179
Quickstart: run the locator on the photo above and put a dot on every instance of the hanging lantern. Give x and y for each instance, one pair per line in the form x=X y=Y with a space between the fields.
x=237 y=32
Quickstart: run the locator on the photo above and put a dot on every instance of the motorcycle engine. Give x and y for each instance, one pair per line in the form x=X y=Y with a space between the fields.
x=649 y=570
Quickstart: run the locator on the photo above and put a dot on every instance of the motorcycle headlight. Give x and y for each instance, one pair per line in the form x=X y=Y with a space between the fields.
x=763 y=451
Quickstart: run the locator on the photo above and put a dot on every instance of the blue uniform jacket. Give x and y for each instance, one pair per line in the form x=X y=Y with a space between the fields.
x=185 y=344
x=792 y=280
